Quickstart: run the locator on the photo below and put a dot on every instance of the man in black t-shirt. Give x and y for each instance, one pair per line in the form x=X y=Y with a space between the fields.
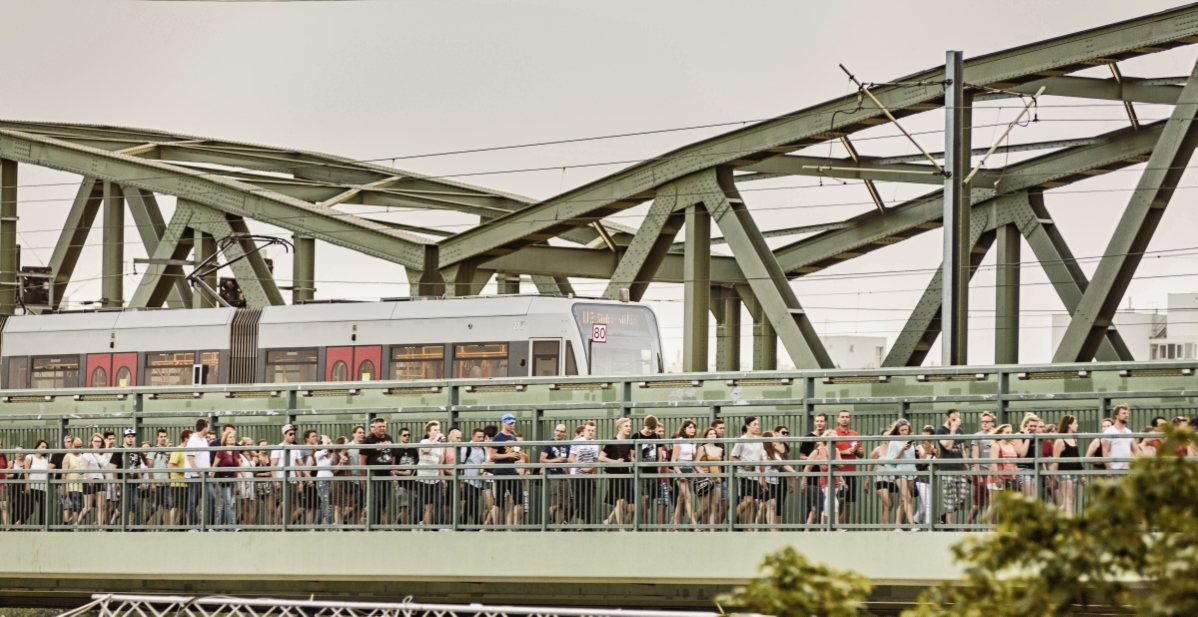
x=955 y=489
x=406 y=494
x=619 y=487
x=648 y=455
x=380 y=479
x=559 y=489
x=811 y=492
x=56 y=459
x=128 y=458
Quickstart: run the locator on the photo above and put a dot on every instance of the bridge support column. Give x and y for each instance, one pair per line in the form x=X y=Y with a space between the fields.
x=726 y=308
x=1006 y=295
x=205 y=247
x=113 y=255
x=954 y=313
x=507 y=283
x=303 y=269
x=696 y=281
x=8 y=237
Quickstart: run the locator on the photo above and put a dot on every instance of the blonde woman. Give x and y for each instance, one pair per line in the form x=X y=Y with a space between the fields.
x=1026 y=449
x=1003 y=474
x=93 y=492
x=704 y=488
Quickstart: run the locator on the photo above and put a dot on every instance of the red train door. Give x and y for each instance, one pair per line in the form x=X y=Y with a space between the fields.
x=124 y=370
x=99 y=370
x=360 y=363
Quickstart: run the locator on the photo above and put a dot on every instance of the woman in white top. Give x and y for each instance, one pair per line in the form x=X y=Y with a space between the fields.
x=683 y=457
x=246 y=490
x=322 y=458
x=430 y=488
x=37 y=481
x=93 y=491
x=904 y=473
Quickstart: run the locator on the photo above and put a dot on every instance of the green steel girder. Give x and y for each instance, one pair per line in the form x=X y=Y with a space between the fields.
x=1139 y=221
x=559 y=261
x=873 y=230
x=748 y=146
x=645 y=253
x=228 y=196
x=74 y=235
x=867 y=169
x=1060 y=267
x=150 y=227
x=1157 y=91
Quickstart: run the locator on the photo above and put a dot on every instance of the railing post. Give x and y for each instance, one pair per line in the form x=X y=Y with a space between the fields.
x=123 y=502
x=370 y=499
x=1004 y=388
x=933 y=489
x=1036 y=460
x=285 y=519
x=636 y=487
x=203 y=501
x=830 y=501
x=808 y=405
x=625 y=399
x=454 y=492
x=733 y=498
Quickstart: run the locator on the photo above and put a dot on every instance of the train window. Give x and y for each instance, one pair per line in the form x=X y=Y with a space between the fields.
x=291 y=365
x=418 y=362
x=211 y=362
x=18 y=373
x=124 y=377
x=546 y=355
x=632 y=346
x=99 y=378
x=571 y=363
x=339 y=372
x=366 y=371
x=480 y=360
x=172 y=368
x=55 y=372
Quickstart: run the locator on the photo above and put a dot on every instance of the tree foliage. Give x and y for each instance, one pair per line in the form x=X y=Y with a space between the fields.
x=792 y=587
x=1134 y=546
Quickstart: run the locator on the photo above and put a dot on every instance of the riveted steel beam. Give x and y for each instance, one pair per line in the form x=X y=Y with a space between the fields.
x=74 y=235
x=9 y=251
x=230 y=196
x=150 y=226
x=1134 y=231
x=696 y=285
x=1006 y=295
x=747 y=146
x=648 y=248
x=112 y=269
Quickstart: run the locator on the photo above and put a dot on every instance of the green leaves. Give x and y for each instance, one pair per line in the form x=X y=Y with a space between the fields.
x=1134 y=546
x=792 y=587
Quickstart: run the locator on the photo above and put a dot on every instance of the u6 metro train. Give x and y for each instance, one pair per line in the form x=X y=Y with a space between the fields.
x=500 y=336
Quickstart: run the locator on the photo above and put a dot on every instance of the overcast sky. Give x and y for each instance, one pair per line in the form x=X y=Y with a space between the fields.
x=375 y=80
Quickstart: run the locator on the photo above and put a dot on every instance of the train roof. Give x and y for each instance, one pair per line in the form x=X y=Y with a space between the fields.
x=415 y=308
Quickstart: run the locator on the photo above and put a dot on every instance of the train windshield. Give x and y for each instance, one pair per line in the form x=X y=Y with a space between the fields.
x=633 y=346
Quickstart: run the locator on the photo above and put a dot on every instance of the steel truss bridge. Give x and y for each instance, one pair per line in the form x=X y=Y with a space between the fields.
x=220 y=185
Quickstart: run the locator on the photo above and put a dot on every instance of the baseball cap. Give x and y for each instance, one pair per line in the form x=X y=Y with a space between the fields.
x=130 y=431
x=509 y=418
x=287 y=428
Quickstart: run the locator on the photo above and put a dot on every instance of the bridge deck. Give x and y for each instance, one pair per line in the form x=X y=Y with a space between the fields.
x=651 y=569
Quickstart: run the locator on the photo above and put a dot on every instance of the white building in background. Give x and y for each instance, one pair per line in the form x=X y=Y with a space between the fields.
x=1152 y=335
x=849 y=351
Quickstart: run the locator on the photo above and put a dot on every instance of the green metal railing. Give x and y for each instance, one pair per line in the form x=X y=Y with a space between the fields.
x=875 y=398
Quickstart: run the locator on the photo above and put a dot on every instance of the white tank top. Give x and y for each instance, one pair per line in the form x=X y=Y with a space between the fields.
x=686 y=452
x=433 y=457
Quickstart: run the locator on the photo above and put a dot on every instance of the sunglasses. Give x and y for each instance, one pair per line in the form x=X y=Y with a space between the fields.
x=902 y=423
x=784 y=433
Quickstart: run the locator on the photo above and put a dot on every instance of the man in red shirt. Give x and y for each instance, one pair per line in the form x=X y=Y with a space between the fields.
x=849 y=450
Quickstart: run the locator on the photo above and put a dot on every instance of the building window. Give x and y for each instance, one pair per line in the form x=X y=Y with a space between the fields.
x=290 y=365
x=366 y=371
x=172 y=368
x=124 y=377
x=99 y=378
x=55 y=372
x=418 y=362
x=482 y=360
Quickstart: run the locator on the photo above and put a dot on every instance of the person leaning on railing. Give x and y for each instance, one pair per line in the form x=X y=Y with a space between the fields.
x=1003 y=474
x=706 y=488
x=830 y=501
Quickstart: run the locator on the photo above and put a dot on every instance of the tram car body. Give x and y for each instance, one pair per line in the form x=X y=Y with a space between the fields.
x=496 y=336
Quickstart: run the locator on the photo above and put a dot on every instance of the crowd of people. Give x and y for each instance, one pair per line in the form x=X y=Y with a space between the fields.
x=311 y=481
